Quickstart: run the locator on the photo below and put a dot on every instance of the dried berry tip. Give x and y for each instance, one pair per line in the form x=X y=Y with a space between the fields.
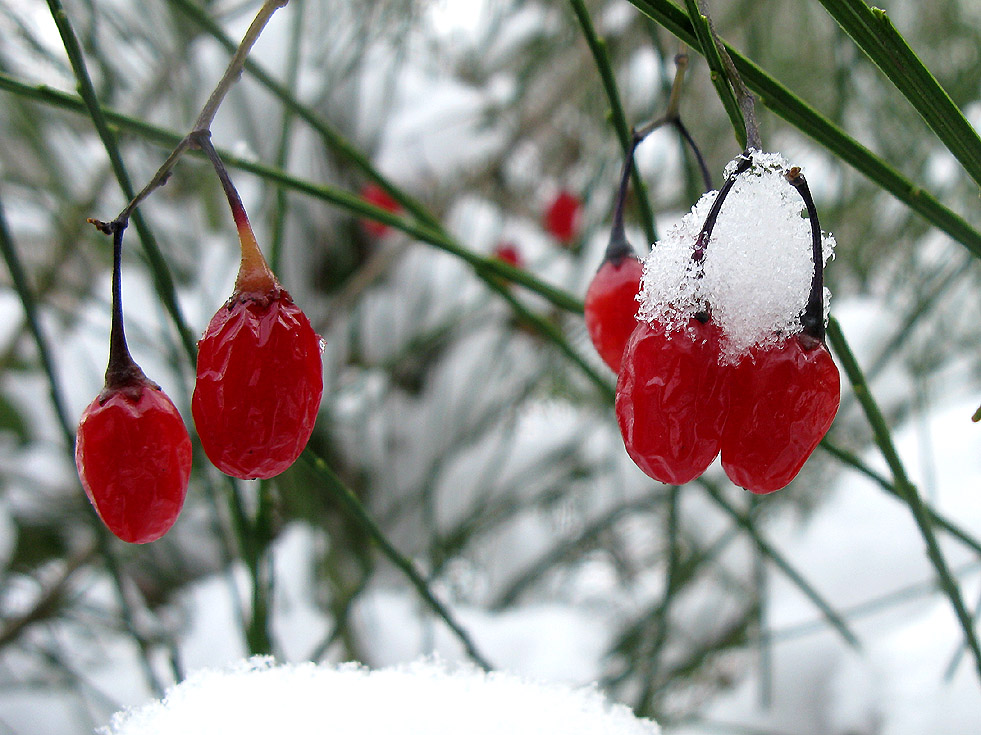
x=254 y=274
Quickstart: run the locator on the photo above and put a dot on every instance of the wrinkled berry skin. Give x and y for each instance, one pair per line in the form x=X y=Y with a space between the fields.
x=783 y=401
x=259 y=383
x=133 y=456
x=671 y=400
x=611 y=307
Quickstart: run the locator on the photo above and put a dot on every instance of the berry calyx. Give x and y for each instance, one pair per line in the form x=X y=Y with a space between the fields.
x=377 y=196
x=672 y=399
x=132 y=450
x=783 y=400
x=259 y=372
x=562 y=217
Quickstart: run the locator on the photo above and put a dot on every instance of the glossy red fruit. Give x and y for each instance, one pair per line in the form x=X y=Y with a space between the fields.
x=374 y=194
x=783 y=401
x=611 y=307
x=671 y=400
x=133 y=456
x=259 y=384
x=562 y=217
x=259 y=372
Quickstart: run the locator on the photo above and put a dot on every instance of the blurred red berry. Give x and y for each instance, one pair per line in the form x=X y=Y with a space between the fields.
x=611 y=307
x=377 y=196
x=562 y=217
x=508 y=253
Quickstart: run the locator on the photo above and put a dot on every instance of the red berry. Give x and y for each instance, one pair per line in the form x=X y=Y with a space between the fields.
x=133 y=456
x=259 y=383
x=374 y=194
x=259 y=373
x=671 y=400
x=508 y=253
x=611 y=307
x=783 y=400
x=562 y=217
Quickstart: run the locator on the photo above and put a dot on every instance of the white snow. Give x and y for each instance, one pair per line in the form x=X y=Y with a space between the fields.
x=422 y=698
x=756 y=275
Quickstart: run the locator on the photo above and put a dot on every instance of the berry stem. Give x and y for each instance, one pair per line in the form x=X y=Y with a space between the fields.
x=745 y=100
x=686 y=136
x=705 y=234
x=618 y=247
x=254 y=275
x=207 y=115
x=813 y=317
x=122 y=370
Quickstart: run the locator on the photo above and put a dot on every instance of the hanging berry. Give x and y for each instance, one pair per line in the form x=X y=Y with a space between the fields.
x=755 y=381
x=783 y=401
x=132 y=450
x=259 y=371
x=562 y=217
x=610 y=306
x=377 y=196
x=672 y=394
x=507 y=252
x=671 y=399
x=784 y=395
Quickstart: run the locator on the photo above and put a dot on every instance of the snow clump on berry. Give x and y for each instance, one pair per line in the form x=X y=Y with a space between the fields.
x=756 y=274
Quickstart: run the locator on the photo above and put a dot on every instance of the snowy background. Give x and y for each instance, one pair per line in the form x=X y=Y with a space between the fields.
x=486 y=455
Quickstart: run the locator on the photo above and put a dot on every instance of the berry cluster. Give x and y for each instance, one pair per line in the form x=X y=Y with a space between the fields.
x=256 y=397
x=689 y=387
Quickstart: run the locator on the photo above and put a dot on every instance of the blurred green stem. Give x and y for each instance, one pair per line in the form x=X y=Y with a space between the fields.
x=908 y=493
x=706 y=42
x=601 y=56
x=278 y=225
x=745 y=520
x=26 y=294
x=349 y=501
x=873 y=32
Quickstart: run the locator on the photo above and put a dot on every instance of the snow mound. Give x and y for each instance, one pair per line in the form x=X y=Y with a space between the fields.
x=423 y=698
x=756 y=275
